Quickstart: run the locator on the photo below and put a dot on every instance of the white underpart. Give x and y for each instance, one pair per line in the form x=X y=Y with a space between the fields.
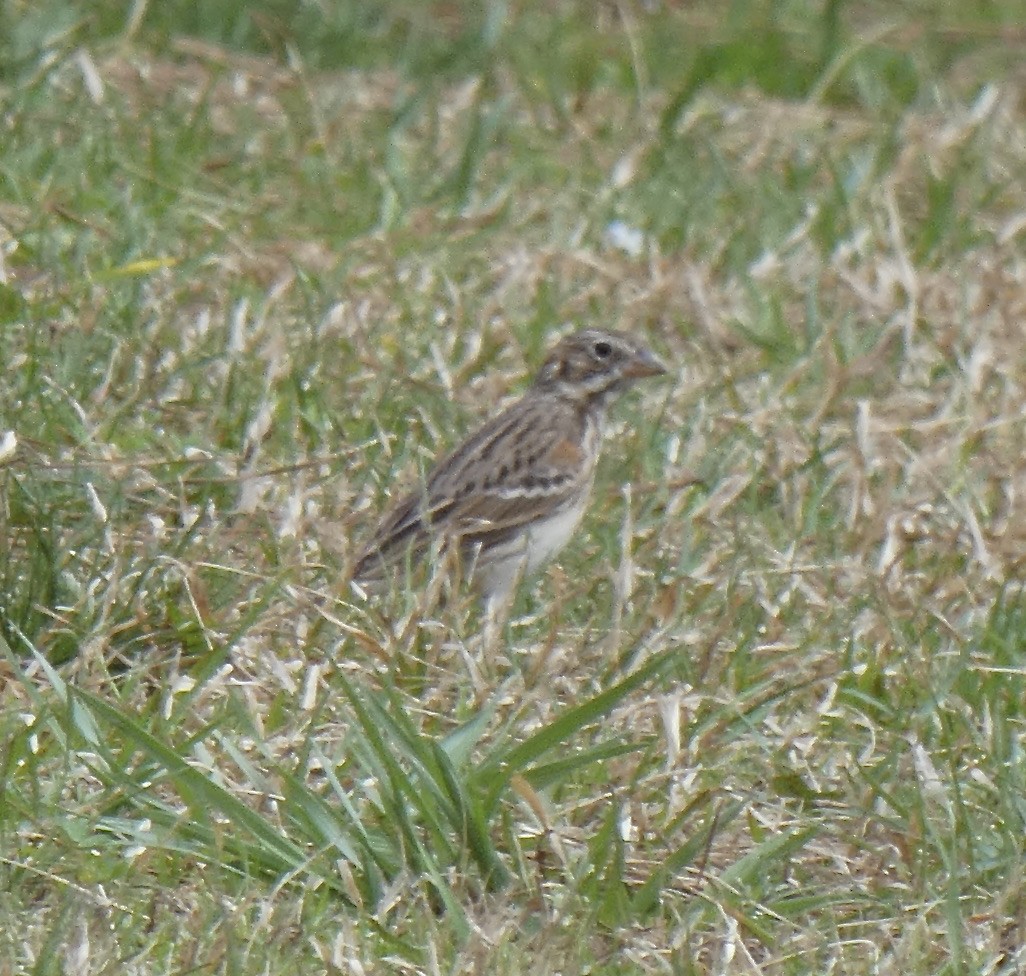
x=547 y=538
x=531 y=550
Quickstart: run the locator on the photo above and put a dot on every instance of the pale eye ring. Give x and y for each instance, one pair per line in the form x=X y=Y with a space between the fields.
x=602 y=349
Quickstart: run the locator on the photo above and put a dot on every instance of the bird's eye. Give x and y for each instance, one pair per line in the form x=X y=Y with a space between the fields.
x=602 y=349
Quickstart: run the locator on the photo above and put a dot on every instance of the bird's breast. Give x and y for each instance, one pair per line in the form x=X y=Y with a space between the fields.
x=548 y=536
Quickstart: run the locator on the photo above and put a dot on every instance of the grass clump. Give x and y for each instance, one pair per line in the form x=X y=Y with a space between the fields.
x=264 y=265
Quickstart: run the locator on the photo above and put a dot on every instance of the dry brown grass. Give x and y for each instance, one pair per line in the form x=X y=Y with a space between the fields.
x=823 y=517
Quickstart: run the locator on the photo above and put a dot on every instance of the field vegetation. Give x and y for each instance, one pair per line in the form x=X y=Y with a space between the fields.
x=260 y=262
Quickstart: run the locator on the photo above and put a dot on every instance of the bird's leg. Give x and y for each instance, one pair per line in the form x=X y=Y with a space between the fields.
x=498 y=604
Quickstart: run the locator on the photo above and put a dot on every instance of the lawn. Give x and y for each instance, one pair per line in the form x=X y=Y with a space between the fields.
x=261 y=262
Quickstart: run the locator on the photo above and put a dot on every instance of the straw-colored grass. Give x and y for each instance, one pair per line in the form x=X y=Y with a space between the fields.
x=766 y=713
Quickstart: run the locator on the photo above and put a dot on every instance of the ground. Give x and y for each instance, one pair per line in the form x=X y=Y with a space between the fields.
x=259 y=263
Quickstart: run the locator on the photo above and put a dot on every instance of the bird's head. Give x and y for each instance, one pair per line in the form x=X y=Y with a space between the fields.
x=596 y=363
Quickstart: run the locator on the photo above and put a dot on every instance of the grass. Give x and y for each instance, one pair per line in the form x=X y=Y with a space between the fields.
x=766 y=714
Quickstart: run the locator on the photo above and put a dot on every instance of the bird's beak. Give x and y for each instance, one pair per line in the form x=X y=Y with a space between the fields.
x=643 y=364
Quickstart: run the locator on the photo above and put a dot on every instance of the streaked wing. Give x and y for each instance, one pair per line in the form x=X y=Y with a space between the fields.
x=520 y=466
x=492 y=519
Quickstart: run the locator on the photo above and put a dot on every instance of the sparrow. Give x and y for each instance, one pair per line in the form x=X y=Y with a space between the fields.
x=513 y=493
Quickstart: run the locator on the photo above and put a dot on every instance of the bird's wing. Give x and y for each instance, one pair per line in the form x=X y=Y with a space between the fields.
x=514 y=469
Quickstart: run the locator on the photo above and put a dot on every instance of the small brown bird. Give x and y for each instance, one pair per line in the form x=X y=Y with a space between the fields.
x=512 y=494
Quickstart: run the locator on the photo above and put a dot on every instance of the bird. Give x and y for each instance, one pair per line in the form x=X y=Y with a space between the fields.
x=513 y=493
